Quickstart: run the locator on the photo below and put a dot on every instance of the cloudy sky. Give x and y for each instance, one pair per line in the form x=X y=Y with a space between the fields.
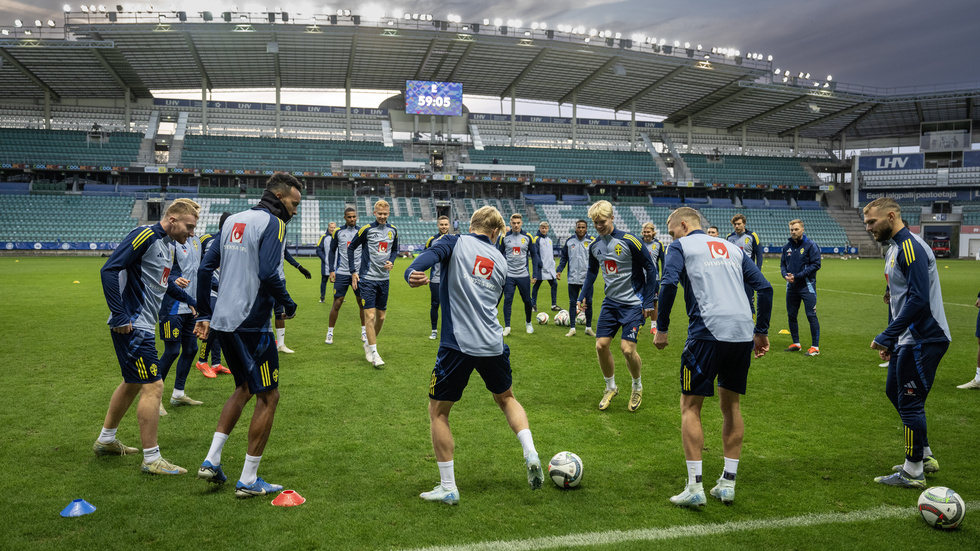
x=881 y=43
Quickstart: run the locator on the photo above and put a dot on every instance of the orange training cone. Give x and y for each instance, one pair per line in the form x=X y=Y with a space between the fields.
x=288 y=498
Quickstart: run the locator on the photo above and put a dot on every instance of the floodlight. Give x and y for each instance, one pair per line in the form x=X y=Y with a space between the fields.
x=38 y=24
x=785 y=79
x=801 y=74
x=91 y=8
x=826 y=85
x=498 y=22
x=687 y=44
x=4 y=32
x=770 y=57
x=807 y=76
x=786 y=73
x=815 y=84
x=677 y=43
x=84 y=8
x=830 y=78
x=67 y=8
x=101 y=8
x=486 y=21
x=587 y=40
x=27 y=32
x=776 y=72
x=544 y=26
x=18 y=23
x=593 y=32
x=738 y=52
x=699 y=47
x=619 y=35
x=663 y=41
x=51 y=23
x=527 y=33
x=706 y=56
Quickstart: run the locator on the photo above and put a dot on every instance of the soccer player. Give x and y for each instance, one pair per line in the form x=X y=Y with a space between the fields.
x=720 y=340
x=713 y=231
x=975 y=382
x=250 y=257
x=434 y=277
x=473 y=272
x=134 y=280
x=630 y=296
x=211 y=344
x=749 y=242
x=799 y=264
x=379 y=248
x=279 y=313
x=544 y=267
x=516 y=248
x=648 y=232
x=575 y=254
x=340 y=271
x=322 y=248
x=916 y=339
x=177 y=323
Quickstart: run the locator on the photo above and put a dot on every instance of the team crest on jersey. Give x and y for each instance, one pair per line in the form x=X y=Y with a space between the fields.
x=610 y=267
x=517 y=250
x=523 y=241
x=383 y=247
x=153 y=369
x=717 y=249
x=618 y=249
x=483 y=267
x=390 y=235
x=237 y=233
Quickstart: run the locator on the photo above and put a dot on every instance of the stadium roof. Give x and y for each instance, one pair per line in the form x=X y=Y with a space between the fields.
x=724 y=91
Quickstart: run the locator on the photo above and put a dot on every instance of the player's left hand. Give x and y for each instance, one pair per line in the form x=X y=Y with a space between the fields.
x=201 y=329
x=761 y=345
x=417 y=279
x=883 y=352
x=978 y=303
x=533 y=281
x=389 y=265
x=353 y=281
x=305 y=272
x=558 y=277
x=650 y=313
x=660 y=340
x=182 y=282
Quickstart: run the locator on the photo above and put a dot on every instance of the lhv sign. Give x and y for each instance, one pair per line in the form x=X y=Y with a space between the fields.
x=892 y=162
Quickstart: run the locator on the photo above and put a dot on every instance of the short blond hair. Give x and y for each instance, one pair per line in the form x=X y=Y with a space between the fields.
x=381 y=204
x=884 y=205
x=686 y=214
x=487 y=219
x=183 y=206
x=516 y=216
x=544 y=225
x=600 y=209
x=797 y=221
x=651 y=226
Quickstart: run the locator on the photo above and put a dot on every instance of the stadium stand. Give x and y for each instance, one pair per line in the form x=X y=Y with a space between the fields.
x=748 y=170
x=65 y=218
x=66 y=147
x=289 y=154
x=577 y=164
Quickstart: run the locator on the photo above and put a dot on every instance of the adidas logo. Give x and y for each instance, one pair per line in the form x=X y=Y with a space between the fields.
x=911 y=384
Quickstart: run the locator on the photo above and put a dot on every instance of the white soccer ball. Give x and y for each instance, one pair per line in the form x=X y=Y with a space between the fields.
x=561 y=318
x=542 y=318
x=941 y=507
x=565 y=470
x=580 y=318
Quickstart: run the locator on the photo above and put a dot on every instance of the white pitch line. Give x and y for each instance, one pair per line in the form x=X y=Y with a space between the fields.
x=677 y=532
x=879 y=296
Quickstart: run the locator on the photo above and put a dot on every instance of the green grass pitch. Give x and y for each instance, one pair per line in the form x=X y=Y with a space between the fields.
x=354 y=441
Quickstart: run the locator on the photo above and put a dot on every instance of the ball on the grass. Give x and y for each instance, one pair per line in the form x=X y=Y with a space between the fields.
x=542 y=318
x=565 y=470
x=941 y=507
x=561 y=318
x=580 y=318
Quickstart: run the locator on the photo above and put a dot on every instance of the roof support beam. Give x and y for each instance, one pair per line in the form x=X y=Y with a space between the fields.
x=969 y=108
x=512 y=87
x=768 y=113
x=462 y=59
x=31 y=76
x=918 y=112
x=822 y=120
x=350 y=61
x=857 y=121
x=425 y=60
x=719 y=103
x=681 y=114
x=656 y=84
x=127 y=90
x=598 y=73
x=197 y=59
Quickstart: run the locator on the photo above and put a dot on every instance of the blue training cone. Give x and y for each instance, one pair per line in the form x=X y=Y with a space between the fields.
x=78 y=508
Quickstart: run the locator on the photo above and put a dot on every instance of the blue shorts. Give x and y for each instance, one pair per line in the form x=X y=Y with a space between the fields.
x=340 y=285
x=453 y=369
x=252 y=358
x=137 y=355
x=174 y=327
x=615 y=315
x=703 y=360
x=978 y=324
x=374 y=293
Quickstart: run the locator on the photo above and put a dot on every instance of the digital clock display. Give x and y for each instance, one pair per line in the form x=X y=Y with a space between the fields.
x=424 y=97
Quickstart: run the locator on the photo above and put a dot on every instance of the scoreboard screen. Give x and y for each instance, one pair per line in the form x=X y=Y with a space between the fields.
x=424 y=97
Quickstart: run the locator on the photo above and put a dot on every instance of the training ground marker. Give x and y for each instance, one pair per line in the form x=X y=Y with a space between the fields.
x=677 y=532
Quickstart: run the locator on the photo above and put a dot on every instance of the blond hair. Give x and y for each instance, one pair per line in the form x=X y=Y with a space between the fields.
x=600 y=209
x=686 y=214
x=381 y=204
x=516 y=216
x=797 y=221
x=544 y=225
x=183 y=206
x=651 y=226
x=487 y=219
x=884 y=205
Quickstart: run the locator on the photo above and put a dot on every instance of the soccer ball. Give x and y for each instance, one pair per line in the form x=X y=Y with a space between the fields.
x=941 y=507
x=561 y=318
x=542 y=318
x=565 y=470
x=580 y=318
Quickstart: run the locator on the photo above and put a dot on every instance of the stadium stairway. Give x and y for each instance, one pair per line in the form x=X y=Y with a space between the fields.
x=853 y=223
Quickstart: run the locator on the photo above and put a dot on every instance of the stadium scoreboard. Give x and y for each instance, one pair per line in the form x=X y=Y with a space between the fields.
x=424 y=97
